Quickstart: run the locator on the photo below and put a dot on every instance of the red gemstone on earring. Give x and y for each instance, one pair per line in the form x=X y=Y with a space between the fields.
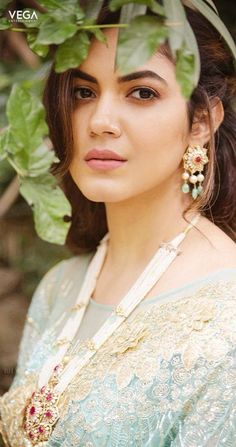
x=31 y=435
x=32 y=410
x=41 y=429
x=198 y=159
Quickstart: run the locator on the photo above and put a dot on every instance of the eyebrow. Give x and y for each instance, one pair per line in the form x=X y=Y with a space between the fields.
x=76 y=73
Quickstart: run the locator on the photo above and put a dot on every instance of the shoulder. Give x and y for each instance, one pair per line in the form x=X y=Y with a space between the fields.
x=218 y=247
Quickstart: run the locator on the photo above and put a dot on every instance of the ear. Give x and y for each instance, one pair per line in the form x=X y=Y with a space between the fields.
x=200 y=132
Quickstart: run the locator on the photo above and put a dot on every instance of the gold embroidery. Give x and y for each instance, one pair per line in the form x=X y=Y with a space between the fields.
x=162 y=343
x=78 y=306
x=119 y=311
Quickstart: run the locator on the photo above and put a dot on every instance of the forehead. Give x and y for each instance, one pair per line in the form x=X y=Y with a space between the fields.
x=100 y=61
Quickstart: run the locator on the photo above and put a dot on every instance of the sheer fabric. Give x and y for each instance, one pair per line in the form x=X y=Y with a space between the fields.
x=166 y=377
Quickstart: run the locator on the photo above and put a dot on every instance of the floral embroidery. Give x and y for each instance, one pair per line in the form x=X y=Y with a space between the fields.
x=168 y=369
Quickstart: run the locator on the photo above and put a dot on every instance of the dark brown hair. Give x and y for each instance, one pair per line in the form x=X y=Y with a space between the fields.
x=217 y=80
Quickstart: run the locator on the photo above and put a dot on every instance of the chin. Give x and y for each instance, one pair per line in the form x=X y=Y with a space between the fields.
x=105 y=196
x=101 y=193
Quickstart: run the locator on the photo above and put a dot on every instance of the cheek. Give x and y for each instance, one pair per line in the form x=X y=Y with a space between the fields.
x=161 y=136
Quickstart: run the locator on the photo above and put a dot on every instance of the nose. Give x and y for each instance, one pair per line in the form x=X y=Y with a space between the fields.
x=104 y=119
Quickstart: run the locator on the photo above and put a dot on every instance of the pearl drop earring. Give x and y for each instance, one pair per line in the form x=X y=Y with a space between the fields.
x=194 y=160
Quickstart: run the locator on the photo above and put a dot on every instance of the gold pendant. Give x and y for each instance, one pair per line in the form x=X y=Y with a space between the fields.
x=41 y=412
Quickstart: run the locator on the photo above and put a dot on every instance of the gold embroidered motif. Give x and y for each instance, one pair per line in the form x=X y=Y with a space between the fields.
x=120 y=311
x=130 y=341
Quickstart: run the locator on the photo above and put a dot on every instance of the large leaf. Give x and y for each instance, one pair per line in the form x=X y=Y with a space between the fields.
x=26 y=118
x=49 y=205
x=133 y=50
x=72 y=52
x=5 y=23
x=3 y=143
x=192 y=45
x=23 y=143
x=40 y=49
x=55 y=31
x=183 y=44
x=3 y=5
x=212 y=4
x=52 y=5
x=175 y=14
x=185 y=65
x=34 y=162
x=130 y=11
x=217 y=23
x=151 y=4
x=92 y=9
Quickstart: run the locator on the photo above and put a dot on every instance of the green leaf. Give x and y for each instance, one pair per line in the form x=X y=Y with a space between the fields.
x=32 y=23
x=184 y=71
x=26 y=118
x=3 y=143
x=35 y=162
x=4 y=4
x=49 y=206
x=151 y=4
x=217 y=23
x=52 y=5
x=41 y=50
x=55 y=31
x=183 y=40
x=130 y=11
x=5 y=23
x=72 y=52
x=92 y=9
x=99 y=34
x=192 y=45
x=212 y=4
x=133 y=50
x=175 y=14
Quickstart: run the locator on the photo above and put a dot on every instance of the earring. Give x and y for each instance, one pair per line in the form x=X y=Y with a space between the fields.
x=194 y=160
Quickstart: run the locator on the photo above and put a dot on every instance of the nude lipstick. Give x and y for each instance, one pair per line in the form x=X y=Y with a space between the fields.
x=103 y=159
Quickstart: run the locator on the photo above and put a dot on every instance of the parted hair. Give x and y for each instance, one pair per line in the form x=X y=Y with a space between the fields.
x=217 y=82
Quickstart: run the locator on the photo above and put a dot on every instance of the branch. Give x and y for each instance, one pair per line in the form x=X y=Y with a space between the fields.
x=9 y=196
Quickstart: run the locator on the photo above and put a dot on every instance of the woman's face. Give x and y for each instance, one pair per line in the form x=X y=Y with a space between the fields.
x=143 y=119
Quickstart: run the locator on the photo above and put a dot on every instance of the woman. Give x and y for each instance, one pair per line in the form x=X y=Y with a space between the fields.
x=135 y=345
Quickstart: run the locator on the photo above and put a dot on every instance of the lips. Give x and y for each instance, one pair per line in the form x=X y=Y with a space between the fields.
x=103 y=160
x=103 y=154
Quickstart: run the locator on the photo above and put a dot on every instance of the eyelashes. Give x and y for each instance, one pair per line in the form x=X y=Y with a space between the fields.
x=146 y=94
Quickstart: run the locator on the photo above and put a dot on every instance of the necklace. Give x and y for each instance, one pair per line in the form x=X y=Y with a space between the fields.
x=41 y=410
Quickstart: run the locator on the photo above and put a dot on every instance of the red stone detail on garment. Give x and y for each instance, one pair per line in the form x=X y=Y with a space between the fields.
x=32 y=410
x=48 y=414
x=40 y=414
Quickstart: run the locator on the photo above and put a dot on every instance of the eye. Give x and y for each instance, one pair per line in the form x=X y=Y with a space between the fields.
x=82 y=93
x=144 y=93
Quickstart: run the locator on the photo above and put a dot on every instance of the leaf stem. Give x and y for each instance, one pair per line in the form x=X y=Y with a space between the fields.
x=117 y=25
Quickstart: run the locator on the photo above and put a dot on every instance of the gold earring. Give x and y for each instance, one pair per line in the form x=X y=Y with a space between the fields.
x=194 y=160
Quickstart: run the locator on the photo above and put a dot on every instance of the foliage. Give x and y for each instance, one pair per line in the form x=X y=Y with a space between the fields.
x=22 y=144
x=67 y=28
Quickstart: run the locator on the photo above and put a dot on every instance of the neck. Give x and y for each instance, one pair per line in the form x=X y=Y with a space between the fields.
x=138 y=226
